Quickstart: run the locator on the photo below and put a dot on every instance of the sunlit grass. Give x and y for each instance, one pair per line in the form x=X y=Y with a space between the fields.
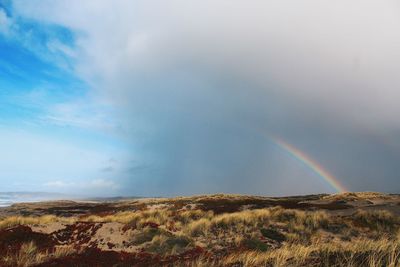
x=28 y=220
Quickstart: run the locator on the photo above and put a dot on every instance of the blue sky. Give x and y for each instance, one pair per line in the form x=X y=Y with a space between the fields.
x=47 y=141
x=121 y=98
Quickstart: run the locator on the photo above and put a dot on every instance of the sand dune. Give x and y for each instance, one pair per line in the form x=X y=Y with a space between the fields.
x=350 y=229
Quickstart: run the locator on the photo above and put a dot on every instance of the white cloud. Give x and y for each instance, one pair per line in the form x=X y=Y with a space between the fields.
x=58 y=184
x=81 y=114
x=56 y=46
x=92 y=185
x=101 y=184
x=5 y=22
x=341 y=57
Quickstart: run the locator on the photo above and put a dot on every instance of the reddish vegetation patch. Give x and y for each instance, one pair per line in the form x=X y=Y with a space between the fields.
x=11 y=239
x=219 y=206
x=92 y=257
x=179 y=204
x=141 y=206
x=99 y=258
x=151 y=224
x=129 y=226
x=332 y=206
x=85 y=209
x=79 y=233
x=110 y=245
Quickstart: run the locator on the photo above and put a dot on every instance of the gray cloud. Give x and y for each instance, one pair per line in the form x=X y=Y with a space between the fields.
x=108 y=169
x=198 y=86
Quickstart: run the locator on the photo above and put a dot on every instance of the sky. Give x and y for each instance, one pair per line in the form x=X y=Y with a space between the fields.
x=164 y=98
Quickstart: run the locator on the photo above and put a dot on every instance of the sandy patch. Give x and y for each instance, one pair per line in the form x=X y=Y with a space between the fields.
x=111 y=236
x=48 y=228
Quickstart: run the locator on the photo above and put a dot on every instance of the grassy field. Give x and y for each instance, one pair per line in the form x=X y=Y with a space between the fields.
x=352 y=229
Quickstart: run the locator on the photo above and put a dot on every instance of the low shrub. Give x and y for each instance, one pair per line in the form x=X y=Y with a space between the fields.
x=255 y=244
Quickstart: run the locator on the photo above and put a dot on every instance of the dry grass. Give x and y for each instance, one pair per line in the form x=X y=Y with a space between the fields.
x=198 y=227
x=376 y=220
x=352 y=196
x=136 y=218
x=361 y=252
x=169 y=244
x=23 y=220
x=29 y=255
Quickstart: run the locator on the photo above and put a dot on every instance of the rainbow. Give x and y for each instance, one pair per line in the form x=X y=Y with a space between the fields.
x=310 y=163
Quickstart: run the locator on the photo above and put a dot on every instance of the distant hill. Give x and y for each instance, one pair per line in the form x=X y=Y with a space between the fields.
x=9 y=198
